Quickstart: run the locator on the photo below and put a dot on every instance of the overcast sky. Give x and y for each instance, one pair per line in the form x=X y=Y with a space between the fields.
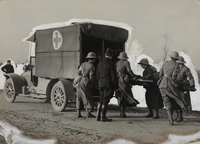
x=155 y=21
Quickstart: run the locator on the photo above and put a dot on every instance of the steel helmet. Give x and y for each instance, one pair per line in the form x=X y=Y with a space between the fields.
x=91 y=55
x=174 y=54
x=144 y=61
x=181 y=60
x=122 y=55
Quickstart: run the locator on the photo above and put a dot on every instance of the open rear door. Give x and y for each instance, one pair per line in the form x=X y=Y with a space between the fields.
x=97 y=38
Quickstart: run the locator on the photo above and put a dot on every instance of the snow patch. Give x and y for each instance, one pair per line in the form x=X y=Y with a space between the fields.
x=172 y=139
x=14 y=136
x=175 y=139
x=121 y=141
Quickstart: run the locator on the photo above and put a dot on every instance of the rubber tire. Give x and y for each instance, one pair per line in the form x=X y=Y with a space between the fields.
x=9 y=88
x=59 y=90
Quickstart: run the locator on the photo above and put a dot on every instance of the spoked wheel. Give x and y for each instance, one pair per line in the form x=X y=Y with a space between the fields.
x=9 y=91
x=58 y=97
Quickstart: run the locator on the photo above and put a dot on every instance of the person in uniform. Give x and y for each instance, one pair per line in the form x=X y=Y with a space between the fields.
x=8 y=68
x=107 y=80
x=85 y=85
x=152 y=95
x=125 y=78
x=168 y=87
x=186 y=84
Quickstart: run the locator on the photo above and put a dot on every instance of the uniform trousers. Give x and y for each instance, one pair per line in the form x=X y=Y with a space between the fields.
x=105 y=95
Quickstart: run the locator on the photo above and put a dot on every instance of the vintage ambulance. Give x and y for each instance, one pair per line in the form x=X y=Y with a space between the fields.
x=58 y=52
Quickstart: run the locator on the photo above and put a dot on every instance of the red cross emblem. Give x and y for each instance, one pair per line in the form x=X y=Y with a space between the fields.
x=57 y=40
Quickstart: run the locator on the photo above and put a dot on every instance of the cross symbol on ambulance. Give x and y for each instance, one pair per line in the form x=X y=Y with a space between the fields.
x=57 y=40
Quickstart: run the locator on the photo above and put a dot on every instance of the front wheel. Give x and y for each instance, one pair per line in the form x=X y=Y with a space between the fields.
x=58 y=97
x=9 y=91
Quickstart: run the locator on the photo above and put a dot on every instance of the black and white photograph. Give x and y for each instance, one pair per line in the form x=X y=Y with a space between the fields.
x=99 y=72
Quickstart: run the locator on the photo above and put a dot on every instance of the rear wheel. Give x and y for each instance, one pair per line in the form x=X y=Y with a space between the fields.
x=58 y=97
x=9 y=91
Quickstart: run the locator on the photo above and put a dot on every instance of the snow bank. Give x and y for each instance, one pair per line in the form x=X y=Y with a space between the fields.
x=13 y=136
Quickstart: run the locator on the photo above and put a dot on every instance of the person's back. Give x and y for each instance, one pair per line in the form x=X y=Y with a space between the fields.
x=168 y=67
x=85 y=85
x=86 y=69
x=166 y=72
x=106 y=73
x=107 y=78
x=168 y=87
x=121 y=66
x=126 y=78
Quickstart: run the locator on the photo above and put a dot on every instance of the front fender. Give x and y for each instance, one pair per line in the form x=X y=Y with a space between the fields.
x=69 y=89
x=18 y=81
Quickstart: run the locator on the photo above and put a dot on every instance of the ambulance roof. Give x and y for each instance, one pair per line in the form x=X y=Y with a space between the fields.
x=108 y=30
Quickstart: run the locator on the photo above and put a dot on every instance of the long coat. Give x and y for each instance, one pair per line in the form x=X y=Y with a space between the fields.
x=185 y=80
x=168 y=87
x=124 y=94
x=85 y=86
x=152 y=95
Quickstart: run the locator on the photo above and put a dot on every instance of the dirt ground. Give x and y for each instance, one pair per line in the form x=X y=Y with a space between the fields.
x=38 y=120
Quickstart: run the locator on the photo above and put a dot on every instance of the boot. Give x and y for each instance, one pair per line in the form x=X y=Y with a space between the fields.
x=189 y=109
x=150 y=115
x=177 y=115
x=180 y=116
x=103 y=113
x=89 y=115
x=79 y=113
x=169 y=112
x=155 y=114
x=99 y=107
x=122 y=113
